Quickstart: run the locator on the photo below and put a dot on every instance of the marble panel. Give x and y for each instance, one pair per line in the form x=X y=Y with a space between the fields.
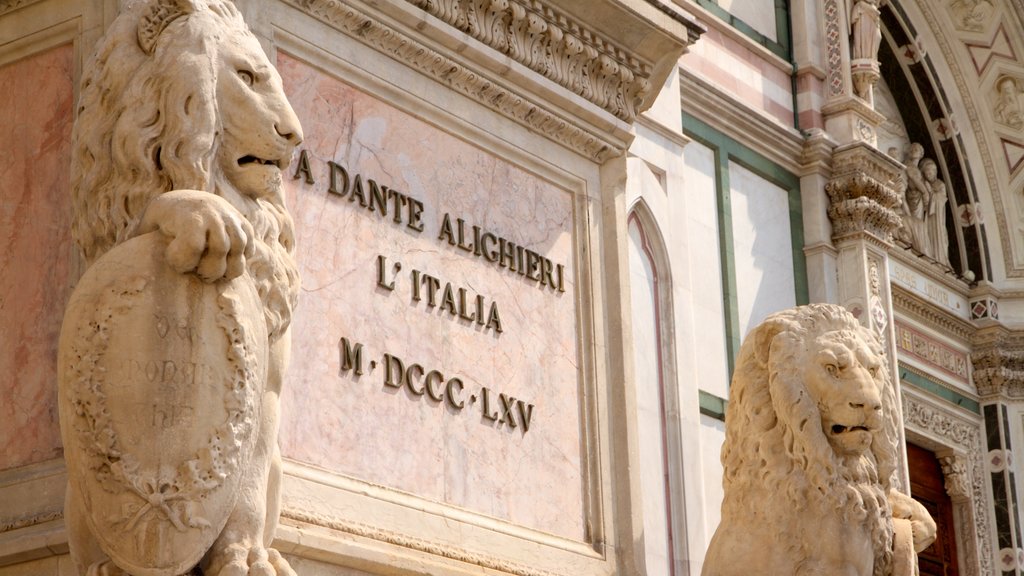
x=35 y=249
x=462 y=449
x=763 y=247
x=712 y=371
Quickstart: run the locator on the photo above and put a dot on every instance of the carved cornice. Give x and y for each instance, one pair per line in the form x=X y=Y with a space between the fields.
x=319 y=517
x=861 y=194
x=11 y=5
x=386 y=39
x=998 y=361
x=817 y=153
x=549 y=43
x=907 y=303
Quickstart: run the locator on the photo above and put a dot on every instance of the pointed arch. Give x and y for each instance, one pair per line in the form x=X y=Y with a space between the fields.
x=657 y=394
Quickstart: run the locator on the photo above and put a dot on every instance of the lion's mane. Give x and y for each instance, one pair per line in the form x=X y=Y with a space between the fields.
x=776 y=453
x=148 y=123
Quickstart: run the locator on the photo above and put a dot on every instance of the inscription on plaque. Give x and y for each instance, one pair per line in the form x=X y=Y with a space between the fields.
x=437 y=294
x=441 y=348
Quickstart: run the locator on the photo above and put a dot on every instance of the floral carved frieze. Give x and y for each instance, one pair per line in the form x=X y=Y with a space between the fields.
x=861 y=193
x=551 y=44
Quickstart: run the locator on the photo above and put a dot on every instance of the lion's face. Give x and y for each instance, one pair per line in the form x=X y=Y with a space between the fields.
x=844 y=376
x=260 y=129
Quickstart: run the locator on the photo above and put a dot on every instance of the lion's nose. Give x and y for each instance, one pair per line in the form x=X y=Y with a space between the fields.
x=292 y=135
x=288 y=127
x=872 y=405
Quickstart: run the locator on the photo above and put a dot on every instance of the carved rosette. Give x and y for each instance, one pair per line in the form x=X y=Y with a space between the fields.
x=554 y=46
x=861 y=193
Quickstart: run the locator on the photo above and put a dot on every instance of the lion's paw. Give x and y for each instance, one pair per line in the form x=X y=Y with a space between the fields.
x=239 y=560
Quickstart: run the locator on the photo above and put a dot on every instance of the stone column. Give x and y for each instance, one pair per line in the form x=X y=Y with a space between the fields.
x=998 y=360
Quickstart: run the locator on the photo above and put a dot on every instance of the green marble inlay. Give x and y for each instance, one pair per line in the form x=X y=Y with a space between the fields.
x=713 y=406
x=781 y=47
x=728 y=150
x=936 y=389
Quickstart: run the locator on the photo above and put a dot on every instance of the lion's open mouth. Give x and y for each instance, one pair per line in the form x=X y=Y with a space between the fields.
x=840 y=429
x=250 y=159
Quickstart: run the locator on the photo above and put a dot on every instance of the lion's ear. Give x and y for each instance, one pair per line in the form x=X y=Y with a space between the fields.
x=157 y=16
x=764 y=334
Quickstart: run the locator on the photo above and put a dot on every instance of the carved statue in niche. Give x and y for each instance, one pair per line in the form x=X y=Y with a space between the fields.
x=865 y=37
x=811 y=455
x=971 y=15
x=917 y=196
x=938 y=239
x=1007 y=108
x=175 y=341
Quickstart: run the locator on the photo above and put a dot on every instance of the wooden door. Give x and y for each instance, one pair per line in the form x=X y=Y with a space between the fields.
x=928 y=487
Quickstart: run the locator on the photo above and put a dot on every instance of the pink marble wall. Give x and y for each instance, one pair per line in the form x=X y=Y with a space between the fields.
x=35 y=249
x=742 y=73
x=362 y=428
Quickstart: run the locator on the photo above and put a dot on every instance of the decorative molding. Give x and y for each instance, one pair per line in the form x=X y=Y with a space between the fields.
x=861 y=193
x=12 y=5
x=963 y=436
x=553 y=45
x=782 y=145
x=447 y=71
x=317 y=516
x=913 y=306
x=833 y=38
x=982 y=53
x=932 y=352
x=8 y=524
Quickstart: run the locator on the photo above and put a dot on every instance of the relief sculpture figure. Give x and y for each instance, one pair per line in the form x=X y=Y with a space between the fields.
x=176 y=339
x=917 y=196
x=1007 y=109
x=938 y=238
x=811 y=456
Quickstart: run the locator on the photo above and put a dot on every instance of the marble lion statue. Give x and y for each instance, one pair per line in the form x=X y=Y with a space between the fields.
x=182 y=133
x=811 y=455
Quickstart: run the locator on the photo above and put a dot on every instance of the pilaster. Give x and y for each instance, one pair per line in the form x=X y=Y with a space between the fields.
x=862 y=203
x=998 y=362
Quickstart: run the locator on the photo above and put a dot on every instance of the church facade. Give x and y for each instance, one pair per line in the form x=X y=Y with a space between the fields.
x=531 y=236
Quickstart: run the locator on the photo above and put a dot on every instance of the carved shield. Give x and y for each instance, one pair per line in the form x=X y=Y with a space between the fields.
x=160 y=379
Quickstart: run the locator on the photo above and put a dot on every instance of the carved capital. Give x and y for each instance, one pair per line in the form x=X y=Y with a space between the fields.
x=998 y=362
x=861 y=192
x=958 y=481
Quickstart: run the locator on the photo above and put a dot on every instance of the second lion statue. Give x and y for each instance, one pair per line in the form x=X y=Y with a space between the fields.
x=176 y=340
x=811 y=456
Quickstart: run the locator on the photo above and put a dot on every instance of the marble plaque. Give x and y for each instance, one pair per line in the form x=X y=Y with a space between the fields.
x=929 y=290
x=36 y=252
x=435 y=345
